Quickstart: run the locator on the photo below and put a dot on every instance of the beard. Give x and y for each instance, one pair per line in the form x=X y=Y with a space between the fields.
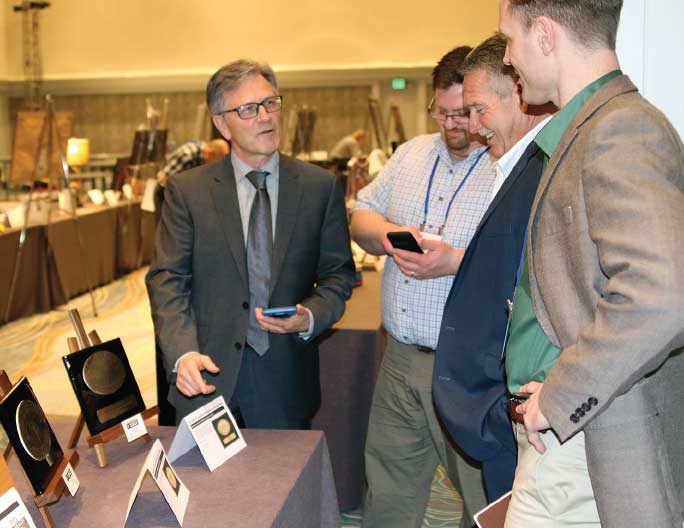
x=458 y=142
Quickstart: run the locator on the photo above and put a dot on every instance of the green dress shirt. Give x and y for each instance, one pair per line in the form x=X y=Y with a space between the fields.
x=529 y=353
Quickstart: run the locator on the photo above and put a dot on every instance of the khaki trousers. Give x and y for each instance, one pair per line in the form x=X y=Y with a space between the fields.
x=552 y=490
x=405 y=444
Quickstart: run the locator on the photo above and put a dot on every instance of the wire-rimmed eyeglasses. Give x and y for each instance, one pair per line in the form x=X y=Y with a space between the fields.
x=442 y=117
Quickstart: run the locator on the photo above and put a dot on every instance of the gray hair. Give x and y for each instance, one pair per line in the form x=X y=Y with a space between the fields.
x=229 y=77
x=488 y=56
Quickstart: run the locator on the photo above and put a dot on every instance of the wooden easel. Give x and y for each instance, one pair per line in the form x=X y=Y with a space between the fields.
x=56 y=487
x=49 y=131
x=98 y=441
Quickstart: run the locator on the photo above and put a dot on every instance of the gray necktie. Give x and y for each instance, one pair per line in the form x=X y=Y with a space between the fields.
x=259 y=252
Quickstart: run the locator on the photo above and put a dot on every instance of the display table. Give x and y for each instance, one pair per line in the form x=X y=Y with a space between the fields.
x=282 y=478
x=117 y=240
x=350 y=355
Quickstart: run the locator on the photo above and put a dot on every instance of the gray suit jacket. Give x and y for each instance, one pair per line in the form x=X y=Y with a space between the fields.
x=198 y=284
x=606 y=261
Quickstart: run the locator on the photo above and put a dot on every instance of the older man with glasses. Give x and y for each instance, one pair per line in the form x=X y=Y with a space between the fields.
x=253 y=230
x=435 y=187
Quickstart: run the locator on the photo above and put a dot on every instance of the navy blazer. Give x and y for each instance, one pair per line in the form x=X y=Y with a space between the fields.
x=469 y=378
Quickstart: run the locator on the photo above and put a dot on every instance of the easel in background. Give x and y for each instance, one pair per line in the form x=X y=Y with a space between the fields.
x=299 y=131
x=56 y=487
x=202 y=128
x=23 y=164
x=379 y=130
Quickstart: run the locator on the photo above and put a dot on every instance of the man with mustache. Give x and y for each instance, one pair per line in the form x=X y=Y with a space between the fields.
x=437 y=188
x=253 y=230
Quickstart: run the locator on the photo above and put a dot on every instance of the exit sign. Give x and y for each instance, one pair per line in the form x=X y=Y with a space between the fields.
x=399 y=83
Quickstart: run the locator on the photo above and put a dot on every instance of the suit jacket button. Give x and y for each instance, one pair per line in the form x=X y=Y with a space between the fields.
x=585 y=407
x=592 y=401
x=238 y=346
x=574 y=418
x=579 y=412
x=245 y=305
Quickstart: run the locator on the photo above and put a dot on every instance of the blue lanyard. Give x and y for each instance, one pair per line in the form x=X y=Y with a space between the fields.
x=426 y=205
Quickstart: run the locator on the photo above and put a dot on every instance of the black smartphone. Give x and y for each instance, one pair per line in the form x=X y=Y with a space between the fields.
x=404 y=240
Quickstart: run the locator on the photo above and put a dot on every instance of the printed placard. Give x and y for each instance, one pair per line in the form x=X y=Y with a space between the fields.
x=169 y=483
x=13 y=512
x=70 y=479
x=134 y=427
x=213 y=429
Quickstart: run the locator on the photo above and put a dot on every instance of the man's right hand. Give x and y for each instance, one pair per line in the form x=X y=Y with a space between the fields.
x=189 y=380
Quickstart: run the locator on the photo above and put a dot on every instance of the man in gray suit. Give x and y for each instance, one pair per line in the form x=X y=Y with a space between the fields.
x=252 y=230
x=598 y=321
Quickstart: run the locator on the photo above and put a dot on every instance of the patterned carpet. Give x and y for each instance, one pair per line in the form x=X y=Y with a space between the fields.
x=34 y=346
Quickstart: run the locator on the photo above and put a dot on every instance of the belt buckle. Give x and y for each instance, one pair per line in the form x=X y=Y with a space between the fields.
x=515 y=399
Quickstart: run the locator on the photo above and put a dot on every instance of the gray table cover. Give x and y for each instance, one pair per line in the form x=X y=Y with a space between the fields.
x=281 y=479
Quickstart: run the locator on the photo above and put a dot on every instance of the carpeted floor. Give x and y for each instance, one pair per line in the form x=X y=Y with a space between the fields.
x=34 y=347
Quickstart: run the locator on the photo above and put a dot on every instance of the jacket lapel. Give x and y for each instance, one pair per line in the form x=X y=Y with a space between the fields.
x=603 y=95
x=613 y=88
x=289 y=195
x=227 y=207
x=508 y=183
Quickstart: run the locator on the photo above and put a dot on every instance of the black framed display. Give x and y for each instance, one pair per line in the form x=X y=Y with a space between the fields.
x=104 y=384
x=30 y=434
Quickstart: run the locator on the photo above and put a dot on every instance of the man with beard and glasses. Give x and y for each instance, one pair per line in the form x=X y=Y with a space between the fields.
x=436 y=187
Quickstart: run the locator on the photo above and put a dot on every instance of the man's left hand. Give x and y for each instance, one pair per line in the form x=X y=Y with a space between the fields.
x=298 y=322
x=534 y=418
x=440 y=260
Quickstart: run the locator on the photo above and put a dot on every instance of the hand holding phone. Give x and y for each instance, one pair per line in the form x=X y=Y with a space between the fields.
x=404 y=240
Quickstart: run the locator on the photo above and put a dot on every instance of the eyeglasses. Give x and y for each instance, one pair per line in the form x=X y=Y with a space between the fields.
x=443 y=117
x=251 y=110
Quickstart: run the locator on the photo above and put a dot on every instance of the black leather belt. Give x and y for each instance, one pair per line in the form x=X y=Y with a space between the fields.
x=425 y=350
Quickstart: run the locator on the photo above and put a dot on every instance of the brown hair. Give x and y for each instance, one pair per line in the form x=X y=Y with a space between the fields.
x=488 y=56
x=229 y=78
x=593 y=23
x=447 y=71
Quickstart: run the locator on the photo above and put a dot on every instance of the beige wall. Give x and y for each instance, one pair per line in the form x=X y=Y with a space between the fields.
x=96 y=38
x=100 y=59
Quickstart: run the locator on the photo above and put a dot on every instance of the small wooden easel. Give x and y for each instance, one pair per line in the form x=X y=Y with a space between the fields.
x=98 y=441
x=56 y=487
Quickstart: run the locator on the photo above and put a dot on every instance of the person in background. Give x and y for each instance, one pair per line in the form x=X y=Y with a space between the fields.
x=436 y=187
x=350 y=146
x=597 y=327
x=468 y=380
x=192 y=154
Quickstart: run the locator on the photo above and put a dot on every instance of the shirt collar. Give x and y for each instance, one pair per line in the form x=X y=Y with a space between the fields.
x=552 y=133
x=511 y=157
x=241 y=169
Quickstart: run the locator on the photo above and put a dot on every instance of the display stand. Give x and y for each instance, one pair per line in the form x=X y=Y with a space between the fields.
x=56 y=487
x=98 y=441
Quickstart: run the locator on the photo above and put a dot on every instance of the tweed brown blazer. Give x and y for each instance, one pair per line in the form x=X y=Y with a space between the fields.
x=606 y=263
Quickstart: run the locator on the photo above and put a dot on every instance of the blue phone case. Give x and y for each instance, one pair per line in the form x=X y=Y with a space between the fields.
x=283 y=311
